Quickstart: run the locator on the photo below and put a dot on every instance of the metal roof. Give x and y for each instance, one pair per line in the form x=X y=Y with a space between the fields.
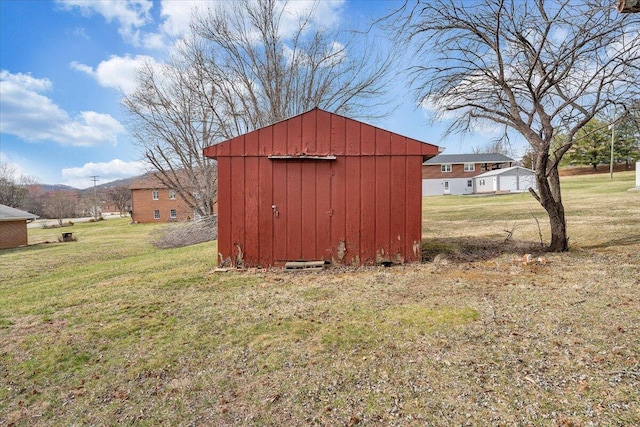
x=12 y=214
x=504 y=171
x=441 y=159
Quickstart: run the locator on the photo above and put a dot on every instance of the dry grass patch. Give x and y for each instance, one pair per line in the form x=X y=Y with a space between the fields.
x=124 y=334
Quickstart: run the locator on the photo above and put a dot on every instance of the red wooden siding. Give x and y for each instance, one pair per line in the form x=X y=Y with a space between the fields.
x=357 y=201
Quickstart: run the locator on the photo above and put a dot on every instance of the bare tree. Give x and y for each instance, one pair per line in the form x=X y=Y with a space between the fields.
x=173 y=124
x=493 y=147
x=242 y=68
x=120 y=196
x=537 y=67
x=61 y=204
x=11 y=192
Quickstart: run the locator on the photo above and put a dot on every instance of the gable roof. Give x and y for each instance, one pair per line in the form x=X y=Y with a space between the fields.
x=468 y=158
x=506 y=171
x=151 y=181
x=147 y=181
x=318 y=134
x=8 y=213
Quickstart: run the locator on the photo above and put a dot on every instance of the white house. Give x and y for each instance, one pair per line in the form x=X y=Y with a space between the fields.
x=455 y=173
x=515 y=179
x=638 y=175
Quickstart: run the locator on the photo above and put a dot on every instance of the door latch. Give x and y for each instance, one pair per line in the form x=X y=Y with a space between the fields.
x=276 y=214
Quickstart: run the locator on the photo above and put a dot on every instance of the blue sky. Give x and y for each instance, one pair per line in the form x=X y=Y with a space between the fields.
x=64 y=65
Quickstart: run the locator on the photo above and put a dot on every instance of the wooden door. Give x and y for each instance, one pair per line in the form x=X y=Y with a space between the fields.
x=301 y=210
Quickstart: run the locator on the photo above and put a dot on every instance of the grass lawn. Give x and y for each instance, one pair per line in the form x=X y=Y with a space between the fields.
x=108 y=330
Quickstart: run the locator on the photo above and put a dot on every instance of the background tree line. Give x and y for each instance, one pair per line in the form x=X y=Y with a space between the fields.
x=592 y=145
x=58 y=202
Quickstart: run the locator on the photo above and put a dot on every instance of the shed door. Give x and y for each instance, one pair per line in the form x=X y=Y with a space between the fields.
x=302 y=210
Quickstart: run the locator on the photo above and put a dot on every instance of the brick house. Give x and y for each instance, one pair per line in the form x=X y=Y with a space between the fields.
x=13 y=227
x=455 y=173
x=152 y=201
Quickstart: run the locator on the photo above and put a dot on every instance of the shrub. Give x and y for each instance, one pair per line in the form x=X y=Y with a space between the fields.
x=186 y=233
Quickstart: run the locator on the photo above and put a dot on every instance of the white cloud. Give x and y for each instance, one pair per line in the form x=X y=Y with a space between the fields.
x=177 y=15
x=325 y=14
x=131 y=15
x=80 y=177
x=118 y=72
x=136 y=25
x=28 y=114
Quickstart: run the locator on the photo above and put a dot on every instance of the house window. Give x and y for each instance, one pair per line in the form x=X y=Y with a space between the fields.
x=469 y=167
x=482 y=182
x=156 y=214
x=469 y=183
x=173 y=214
x=445 y=168
x=172 y=195
x=154 y=195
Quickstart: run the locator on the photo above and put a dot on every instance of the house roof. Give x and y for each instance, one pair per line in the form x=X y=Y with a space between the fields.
x=147 y=181
x=151 y=181
x=468 y=158
x=505 y=171
x=8 y=213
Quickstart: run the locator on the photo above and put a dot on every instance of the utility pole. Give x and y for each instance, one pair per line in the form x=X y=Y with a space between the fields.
x=613 y=137
x=94 y=178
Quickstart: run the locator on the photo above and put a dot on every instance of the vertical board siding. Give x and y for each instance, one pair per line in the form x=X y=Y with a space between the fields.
x=397 y=204
x=382 y=207
x=279 y=189
x=338 y=133
x=338 y=209
x=383 y=142
x=368 y=192
x=294 y=210
x=294 y=137
x=413 y=207
x=266 y=216
x=323 y=209
x=252 y=210
x=265 y=141
x=367 y=140
x=309 y=139
x=279 y=139
x=323 y=133
x=352 y=138
x=352 y=209
x=309 y=211
x=224 y=209
x=362 y=207
x=238 y=200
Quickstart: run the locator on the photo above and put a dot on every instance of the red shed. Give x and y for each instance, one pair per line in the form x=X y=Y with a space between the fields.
x=319 y=187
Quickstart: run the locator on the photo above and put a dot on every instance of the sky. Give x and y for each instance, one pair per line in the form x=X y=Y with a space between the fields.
x=65 y=64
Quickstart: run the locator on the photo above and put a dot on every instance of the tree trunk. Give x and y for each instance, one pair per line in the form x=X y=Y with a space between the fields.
x=551 y=200
x=558 y=223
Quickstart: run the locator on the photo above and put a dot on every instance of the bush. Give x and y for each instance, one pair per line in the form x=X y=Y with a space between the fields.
x=186 y=233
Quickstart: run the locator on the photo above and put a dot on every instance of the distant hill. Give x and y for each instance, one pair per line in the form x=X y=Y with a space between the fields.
x=125 y=182
x=48 y=188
